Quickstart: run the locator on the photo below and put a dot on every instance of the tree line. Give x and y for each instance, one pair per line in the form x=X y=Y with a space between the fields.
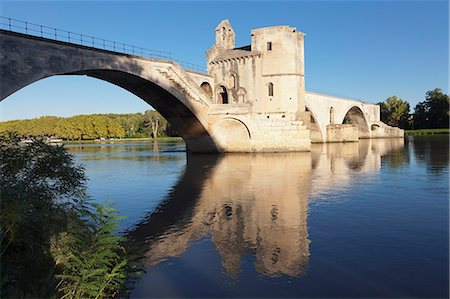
x=432 y=113
x=92 y=126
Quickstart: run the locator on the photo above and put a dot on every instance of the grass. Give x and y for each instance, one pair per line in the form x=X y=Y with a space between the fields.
x=427 y=132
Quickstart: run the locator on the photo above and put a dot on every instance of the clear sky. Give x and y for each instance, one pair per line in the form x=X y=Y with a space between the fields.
x=367 y=50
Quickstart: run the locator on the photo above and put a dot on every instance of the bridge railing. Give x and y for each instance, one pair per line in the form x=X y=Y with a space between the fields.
x=56 y=34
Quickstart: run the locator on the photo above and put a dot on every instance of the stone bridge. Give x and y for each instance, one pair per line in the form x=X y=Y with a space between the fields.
x=334 y=119
x=246 y=102
x=164 y=85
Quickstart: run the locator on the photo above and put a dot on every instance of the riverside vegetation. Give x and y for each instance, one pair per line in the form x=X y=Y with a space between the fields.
x=430 y=114
x=93 y=126
x=54 y=241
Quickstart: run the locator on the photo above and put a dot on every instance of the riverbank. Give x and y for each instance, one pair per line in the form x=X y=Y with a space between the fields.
x=427 y=132
x=123 y=140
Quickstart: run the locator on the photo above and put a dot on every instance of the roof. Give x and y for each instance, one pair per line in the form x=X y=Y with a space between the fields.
x=224 y=23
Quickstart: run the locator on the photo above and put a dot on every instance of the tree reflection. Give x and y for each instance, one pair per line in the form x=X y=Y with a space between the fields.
x=431 y=151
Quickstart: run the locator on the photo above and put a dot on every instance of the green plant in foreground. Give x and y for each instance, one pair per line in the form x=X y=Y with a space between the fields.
x=53 y=240
x=91 y=264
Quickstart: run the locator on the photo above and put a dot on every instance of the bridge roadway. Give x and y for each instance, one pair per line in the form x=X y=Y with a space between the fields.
x=177 y=94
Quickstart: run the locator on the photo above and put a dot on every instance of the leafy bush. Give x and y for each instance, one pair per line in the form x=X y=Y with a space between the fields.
x=53 y=239
x=91 y=264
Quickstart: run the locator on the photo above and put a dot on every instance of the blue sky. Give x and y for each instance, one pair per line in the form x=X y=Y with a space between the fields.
x=367 y=50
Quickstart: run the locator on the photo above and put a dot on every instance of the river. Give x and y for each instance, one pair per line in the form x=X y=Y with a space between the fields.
x=366 y=219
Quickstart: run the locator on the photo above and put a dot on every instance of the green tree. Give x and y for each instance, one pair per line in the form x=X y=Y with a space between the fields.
x=53 y=240
x=88 y=127
x=154 y=124
x=395 y=112
x=432 y=113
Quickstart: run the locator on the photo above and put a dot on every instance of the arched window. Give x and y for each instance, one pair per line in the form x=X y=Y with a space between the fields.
x=223 y=95
x=233 y=81
x=223 y=33
x=207 y=88
x=331 y=115
x=270 y=89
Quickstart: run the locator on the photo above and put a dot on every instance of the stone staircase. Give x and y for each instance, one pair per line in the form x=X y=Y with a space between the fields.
x=175 y=74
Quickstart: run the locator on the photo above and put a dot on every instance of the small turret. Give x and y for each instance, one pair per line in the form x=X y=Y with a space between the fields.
x=225 y=37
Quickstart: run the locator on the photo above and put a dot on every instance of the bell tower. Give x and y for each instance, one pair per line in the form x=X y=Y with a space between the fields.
x=225 y=37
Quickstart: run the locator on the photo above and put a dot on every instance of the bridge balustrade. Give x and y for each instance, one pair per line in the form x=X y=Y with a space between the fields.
x=13 y=25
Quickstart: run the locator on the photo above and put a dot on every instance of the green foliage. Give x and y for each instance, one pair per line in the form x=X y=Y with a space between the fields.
x=433 y=113
x=53 y=240
x=395 y=112
x=94 y=126
x=39 y=183
x=154 y=123
x=91 y=263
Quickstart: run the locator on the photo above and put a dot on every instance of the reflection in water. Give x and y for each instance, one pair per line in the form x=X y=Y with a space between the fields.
x=336 y=166
x=140 y=152
x=431 y=151
x=258 y=204
x=254 y=204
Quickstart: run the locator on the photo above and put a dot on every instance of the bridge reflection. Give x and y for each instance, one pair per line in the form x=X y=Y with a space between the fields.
x=254 y=205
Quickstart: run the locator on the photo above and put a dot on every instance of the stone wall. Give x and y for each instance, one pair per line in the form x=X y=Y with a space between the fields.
x=342 y=133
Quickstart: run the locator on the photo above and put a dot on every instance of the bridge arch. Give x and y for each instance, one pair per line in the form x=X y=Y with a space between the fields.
x=162 y=84
x=314 y=127
x=232 y=135
x=356 y=116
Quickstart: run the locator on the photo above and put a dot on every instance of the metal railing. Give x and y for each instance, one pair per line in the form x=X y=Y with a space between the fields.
x=37 y=30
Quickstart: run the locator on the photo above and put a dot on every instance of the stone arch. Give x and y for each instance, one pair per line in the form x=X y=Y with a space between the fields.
x=374 y=127
x=146 y=78
x=232 y=135
x=376 y=131
x=207 y=89
x=355 y=116
x=314 y=127
x=233 y=81
x=241 y=95
x=180 y=117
